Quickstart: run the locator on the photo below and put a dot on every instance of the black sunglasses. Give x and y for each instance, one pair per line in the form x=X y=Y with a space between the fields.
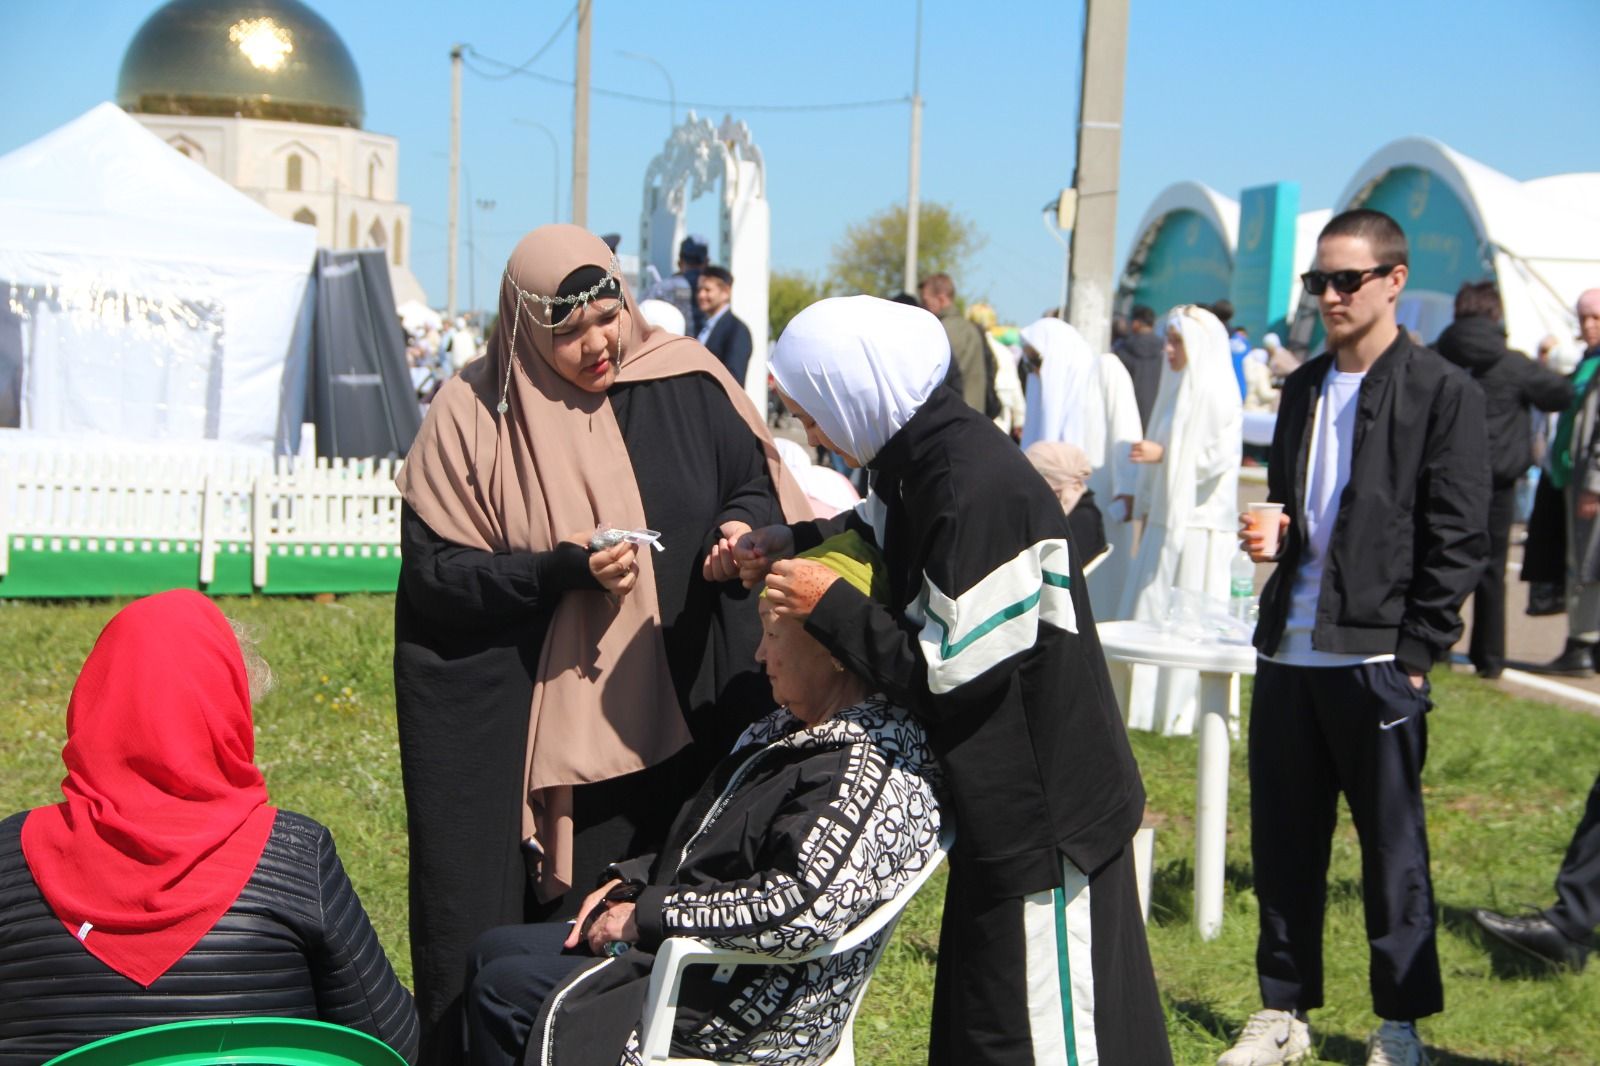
x=1345 y=281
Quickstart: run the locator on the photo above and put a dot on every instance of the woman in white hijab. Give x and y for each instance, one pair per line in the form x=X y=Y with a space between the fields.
x=985 y=639
x=1077 y=399
x=1189 y=501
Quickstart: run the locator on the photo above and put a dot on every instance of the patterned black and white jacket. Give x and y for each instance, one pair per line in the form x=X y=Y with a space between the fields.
x=797 y=836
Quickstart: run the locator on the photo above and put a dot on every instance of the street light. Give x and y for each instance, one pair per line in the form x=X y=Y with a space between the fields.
x=672 y=90
x=1052 y=214
x=472 y=248
x=555 y=165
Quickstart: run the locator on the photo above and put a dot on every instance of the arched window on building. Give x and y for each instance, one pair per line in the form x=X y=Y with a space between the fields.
x=372 y=178
x=354 y=233
x=377 y=237
x=399 y=235
x=183 y=150
x=293 y=170
x=306 y=215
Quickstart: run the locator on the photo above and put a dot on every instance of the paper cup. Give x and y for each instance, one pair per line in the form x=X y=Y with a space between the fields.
x=1264 y=520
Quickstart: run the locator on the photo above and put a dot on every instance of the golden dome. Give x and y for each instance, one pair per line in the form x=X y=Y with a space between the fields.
x=273 y=59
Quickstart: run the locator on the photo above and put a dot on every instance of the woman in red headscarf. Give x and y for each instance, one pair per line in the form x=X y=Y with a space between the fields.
x=164 y=886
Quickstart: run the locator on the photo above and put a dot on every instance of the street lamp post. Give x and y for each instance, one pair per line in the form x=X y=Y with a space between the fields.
x=555 y=165
x=672 y=90
x=472 y=247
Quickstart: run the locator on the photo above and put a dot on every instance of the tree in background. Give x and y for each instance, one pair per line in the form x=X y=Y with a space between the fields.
x=788 y=293
x=872 y=256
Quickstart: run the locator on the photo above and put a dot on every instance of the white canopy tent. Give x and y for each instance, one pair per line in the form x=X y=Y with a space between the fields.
x=141 y=297
x=1542 y=236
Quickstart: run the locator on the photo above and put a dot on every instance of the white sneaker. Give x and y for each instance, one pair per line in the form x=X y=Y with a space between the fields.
x=1269 y=1037
x=1396 y=1044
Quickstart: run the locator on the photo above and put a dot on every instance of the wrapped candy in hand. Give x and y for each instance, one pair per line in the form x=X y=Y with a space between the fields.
x=609 y=537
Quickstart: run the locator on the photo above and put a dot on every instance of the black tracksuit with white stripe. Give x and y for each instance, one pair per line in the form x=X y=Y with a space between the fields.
x=989 y=640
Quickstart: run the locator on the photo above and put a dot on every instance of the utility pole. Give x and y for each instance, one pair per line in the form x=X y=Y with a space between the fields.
x=1093 y=261
x=455 y=178
x=913 y=200
x=580 y=122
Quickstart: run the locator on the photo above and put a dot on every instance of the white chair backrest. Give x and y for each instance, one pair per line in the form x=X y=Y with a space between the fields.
x=679 y=953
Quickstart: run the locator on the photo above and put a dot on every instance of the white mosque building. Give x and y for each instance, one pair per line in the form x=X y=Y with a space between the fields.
x=265 y=95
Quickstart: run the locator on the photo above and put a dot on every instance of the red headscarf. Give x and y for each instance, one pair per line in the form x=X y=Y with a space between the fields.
x=166 y=814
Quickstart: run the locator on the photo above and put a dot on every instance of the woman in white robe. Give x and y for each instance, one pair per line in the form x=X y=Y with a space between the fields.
x=1079 y=399
x=1064 y=403
x=1188 y=499
x=1115 y=483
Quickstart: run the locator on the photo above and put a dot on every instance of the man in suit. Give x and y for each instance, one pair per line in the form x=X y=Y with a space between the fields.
x=726 y=336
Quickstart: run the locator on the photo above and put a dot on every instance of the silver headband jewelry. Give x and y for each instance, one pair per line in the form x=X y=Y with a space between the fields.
x=577 y=301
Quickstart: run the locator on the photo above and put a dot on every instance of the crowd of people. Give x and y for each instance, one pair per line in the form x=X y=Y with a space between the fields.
x=655 y=677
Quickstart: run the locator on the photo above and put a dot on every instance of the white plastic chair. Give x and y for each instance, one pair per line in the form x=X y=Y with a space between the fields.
x=678 y=953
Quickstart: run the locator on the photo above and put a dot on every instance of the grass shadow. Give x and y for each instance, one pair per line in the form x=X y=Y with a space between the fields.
x=1348 y=1051
x=1172 y=889
x=1205 y=1017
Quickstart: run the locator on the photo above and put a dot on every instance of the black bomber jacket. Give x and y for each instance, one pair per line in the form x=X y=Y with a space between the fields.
x=1412 y=527
x=295 y=944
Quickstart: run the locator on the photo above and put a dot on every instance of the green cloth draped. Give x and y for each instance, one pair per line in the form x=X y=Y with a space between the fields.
x=1561 y=449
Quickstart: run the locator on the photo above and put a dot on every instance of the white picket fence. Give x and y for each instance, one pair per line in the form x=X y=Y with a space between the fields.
x=219 y=502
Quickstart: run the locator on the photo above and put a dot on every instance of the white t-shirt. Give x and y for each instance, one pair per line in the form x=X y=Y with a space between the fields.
x=1332 y=440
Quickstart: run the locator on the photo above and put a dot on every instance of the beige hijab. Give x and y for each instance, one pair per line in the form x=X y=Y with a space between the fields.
x=1064 y=467
x=553 y=465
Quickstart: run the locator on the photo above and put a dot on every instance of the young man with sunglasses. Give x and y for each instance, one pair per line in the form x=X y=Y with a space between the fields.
x=1379 y=460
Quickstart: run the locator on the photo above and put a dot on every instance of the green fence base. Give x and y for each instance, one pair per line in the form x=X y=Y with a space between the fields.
x=42 y=571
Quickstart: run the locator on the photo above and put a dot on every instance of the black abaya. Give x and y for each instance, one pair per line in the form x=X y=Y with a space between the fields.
x=469 y=625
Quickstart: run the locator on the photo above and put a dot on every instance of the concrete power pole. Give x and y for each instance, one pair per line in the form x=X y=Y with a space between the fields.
x=1093 y=260
x=455 y=181
x=580 y=122
x=913 y=193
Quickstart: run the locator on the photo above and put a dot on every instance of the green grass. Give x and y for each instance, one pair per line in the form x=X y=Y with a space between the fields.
x=1506 y=781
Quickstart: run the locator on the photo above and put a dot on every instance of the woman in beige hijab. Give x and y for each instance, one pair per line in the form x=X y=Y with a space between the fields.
x=554 y=702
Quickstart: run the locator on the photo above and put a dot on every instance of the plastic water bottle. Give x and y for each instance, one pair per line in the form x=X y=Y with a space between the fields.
x=1241 y=587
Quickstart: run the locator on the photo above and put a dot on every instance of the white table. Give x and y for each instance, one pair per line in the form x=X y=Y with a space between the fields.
x=1127 y=643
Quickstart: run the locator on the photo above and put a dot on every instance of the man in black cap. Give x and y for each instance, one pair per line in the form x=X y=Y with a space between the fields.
x=679 y=289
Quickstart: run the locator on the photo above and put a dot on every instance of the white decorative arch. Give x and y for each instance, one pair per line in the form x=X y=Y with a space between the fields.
x=1544 y=241
x=695 y=157
x=1219 y=211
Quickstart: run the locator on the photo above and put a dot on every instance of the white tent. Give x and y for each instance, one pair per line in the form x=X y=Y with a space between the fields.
x=1542 y=236
x=143 y=297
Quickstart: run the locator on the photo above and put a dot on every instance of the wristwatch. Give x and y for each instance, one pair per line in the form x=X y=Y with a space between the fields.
x=626 y=892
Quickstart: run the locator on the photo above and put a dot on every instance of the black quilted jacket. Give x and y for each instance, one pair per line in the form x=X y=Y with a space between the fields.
x=296 y=944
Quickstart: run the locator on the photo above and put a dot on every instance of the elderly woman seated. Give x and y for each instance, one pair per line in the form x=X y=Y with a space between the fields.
x=823 y=810
x=163 y=887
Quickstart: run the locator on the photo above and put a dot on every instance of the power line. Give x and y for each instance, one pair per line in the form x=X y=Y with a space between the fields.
x=507 y=70
x=522 y=68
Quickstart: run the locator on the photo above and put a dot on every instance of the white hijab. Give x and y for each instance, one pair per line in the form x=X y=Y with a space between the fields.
x=1065 y=404
x=1193 y=407
x=861 y=367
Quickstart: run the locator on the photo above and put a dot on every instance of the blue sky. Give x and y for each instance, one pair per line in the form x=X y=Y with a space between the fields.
x=1233 y=93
